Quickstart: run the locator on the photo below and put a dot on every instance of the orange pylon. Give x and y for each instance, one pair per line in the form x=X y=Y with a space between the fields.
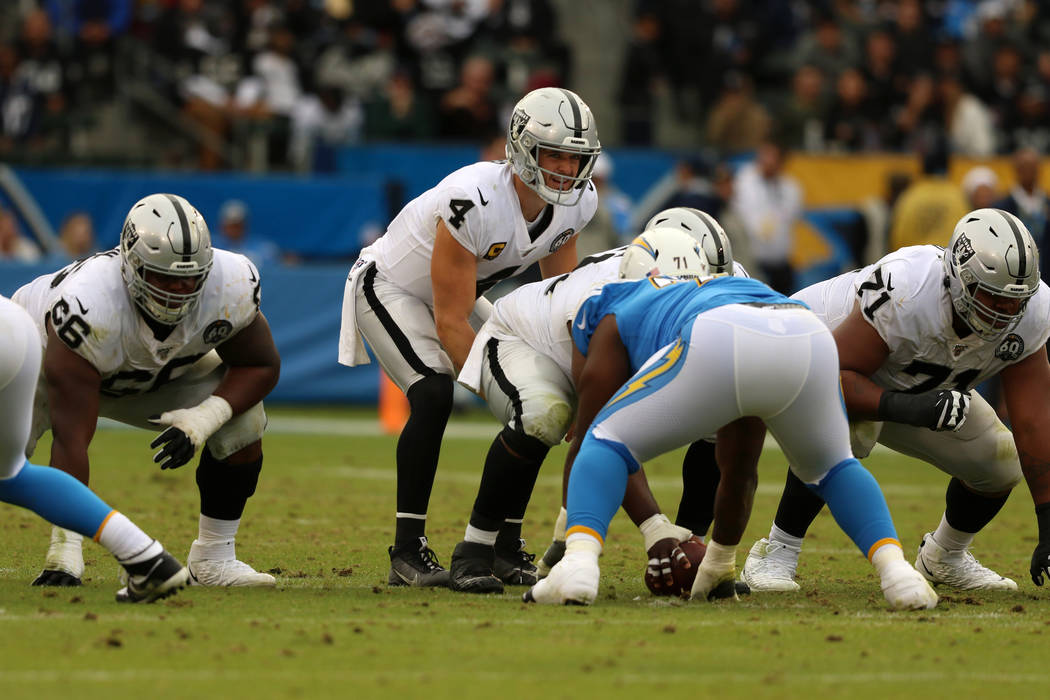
x=393 y=405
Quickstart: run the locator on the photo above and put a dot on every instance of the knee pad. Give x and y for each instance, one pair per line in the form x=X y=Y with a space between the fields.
x=237 y=433
x=529 y=448
x=431 y=395
x=549 y=420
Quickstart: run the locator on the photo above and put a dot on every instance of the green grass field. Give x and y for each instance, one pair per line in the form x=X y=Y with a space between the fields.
x=323 y=517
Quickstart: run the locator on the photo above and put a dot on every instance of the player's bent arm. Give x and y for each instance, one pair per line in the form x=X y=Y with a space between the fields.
x=254 y=366
x=861 y=352
x=737 y=451
x=596 y=376
x=1026 y=387
x=560 y=261
x=73 y=386
x=453 y=276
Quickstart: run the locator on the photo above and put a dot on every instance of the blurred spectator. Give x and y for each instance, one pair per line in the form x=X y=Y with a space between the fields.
x=270 y=94
x=917 y=117
x=738 y=122
x=77 y=235
x=849 y=125
x=801 y=119
x=469 y=108
x=609 y=228
x=233 y=236
x=688 y=185
x=361 y=60
x=92 y=27
x=13 y=245
x=912 y=36
x=993 y=29
x=1031 y=124
x=1006 y=86
x=882 y=74
x=827 y=47
x=320 y=124
x=966 y=119
x=730 y=33
x=43 y=71
x=981 y=187
x=640 y=80
x=1030 y=203
x=401 y=113
x=768 y=204
x=928 y=210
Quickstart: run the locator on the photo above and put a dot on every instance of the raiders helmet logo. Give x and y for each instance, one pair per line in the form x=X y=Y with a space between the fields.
x=217 y=331
x=518 y=121
x=1011 y=348
x=561 y=239
x=962 y=251
x=129 y=236
x=494 y=250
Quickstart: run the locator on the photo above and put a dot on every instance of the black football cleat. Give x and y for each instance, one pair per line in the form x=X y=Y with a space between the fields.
x=471 y=569
x=153 y=579
x=514 y=566
x=53 y=577
x=416 y=564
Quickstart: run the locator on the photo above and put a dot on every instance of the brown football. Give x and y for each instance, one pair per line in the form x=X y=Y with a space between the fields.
x=694 y=549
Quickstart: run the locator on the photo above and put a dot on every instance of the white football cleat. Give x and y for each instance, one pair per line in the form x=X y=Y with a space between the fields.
x=572 y=581
x=907 y=589
x=770 y=566
x=223 y=572
x=957 y=568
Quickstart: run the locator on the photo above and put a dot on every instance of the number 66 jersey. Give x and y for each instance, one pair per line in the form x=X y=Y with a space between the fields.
x=91 y=311
x=905 y=298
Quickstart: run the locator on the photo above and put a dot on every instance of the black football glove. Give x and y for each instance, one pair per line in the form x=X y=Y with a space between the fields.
x=177 y=448
x=940 y=409
x=1040 y=563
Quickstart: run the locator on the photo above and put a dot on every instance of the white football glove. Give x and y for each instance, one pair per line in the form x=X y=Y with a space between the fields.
x=189 y=429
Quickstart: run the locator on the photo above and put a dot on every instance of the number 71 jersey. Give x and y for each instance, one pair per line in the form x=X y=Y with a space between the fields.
x=92 y=313
x=904 y=297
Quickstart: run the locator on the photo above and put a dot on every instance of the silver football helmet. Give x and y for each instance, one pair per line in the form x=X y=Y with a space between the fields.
x=992 y=251
x=555 y=119
x=165 y=235
x=705 y=229
x=663 y=251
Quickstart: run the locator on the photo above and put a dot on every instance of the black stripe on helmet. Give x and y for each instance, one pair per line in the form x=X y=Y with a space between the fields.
x=187 y=242
x=719 y=246
x=577 y=119
x=1022 y=256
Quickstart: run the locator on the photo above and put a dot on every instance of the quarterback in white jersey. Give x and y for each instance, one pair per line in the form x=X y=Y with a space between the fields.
x=521 y=363
x=161 y=332
x=415 y=294
x=916 y=332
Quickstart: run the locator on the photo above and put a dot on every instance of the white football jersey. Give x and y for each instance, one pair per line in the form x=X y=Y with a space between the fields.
x=481 y=210
x=903 y=296
x=93 y=314
x=539 y=313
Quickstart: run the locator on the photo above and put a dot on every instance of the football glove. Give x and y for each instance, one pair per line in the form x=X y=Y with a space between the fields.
x=940 y=409
x=189 y=429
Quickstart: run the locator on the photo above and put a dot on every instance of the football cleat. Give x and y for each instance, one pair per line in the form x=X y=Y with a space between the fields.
x=470 y=570
x=906 y=589
x=957 y=568
x=572 y=581
x=514 y=566
x=64 y=565
x=555 y=551
x=153 y=579
x=770 y=566
x=415 y=564
x=223 y=572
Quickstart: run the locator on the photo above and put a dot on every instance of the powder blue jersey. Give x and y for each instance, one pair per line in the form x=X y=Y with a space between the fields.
x=651 y=313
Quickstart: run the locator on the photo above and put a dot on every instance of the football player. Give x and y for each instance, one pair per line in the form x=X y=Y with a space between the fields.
x=414 y=294
x=162 y=333
x=520 y=362
x=152 y=573
x=721 y=354
x=916 y=331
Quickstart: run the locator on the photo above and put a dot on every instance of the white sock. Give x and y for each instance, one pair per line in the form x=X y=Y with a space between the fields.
x=559 y=525
x=214 y=531
x=126 y=541
x=778 y=535
x=581 y=542
x=950 y=538
x=887 y=556
x=479 y=536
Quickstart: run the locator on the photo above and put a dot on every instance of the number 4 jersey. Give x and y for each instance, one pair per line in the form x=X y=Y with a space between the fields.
x=903 y=296
x=93 y=314
x=481 y=210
